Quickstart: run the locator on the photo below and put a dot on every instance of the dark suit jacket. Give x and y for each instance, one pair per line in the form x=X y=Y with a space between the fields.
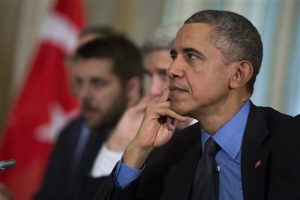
x=63 y=179
x=270 y=162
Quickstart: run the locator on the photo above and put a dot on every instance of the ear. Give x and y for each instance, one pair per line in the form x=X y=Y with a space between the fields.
x=133 y=90
x=242 y=74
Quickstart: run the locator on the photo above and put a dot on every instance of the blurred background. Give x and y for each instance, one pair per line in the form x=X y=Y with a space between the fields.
x=278 y=21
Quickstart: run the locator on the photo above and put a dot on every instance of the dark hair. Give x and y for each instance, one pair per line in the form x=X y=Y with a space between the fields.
x=125 y=56
x=235 y=36
x=98 y=30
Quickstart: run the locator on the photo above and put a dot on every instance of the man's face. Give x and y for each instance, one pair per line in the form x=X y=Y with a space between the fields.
x=82 y=41
x=157 y=63
x=199 y=80
x=99 y=91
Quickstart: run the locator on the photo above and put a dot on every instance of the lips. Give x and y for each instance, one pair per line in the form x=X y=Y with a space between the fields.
x=88 y=110
x=177 y=89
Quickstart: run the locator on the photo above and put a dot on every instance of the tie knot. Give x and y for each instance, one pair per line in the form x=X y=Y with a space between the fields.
x=211 y=147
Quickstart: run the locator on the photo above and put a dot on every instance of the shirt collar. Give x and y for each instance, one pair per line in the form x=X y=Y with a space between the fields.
x=229 y=136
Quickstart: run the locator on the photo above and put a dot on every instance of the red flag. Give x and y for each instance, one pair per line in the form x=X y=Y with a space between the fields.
x=45 y=102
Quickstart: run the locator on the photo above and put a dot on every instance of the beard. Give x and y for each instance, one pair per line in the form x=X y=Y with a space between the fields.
x=109 y=118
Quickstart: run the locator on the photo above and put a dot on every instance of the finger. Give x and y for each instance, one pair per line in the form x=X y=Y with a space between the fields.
x=143 y=104
x=171 y=124
x=166 y=112
x=164 y=96
x=145 y=99
x=165 y=105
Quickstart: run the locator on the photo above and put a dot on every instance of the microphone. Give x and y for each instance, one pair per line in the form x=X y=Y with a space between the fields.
x=6 y=164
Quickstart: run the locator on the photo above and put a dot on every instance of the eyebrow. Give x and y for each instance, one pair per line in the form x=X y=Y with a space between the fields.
x=161 y=71
x=98 y=80
x=195 y=51
x=156 y=70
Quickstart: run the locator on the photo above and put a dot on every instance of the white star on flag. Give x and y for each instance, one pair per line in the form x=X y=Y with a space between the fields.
x=58 y=119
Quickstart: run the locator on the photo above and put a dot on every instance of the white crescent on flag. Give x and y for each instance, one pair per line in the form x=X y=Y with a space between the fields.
x=59 y=31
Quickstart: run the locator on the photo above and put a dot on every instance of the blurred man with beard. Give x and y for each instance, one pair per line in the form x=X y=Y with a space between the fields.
x=107 y=78
x=87 y=35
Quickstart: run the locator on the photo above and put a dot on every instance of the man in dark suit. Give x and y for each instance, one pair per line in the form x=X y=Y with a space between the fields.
x=107 y=79
x=237 y=150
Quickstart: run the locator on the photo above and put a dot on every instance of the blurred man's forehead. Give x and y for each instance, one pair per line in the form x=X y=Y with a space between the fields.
x=94 y=65
x=158 y=60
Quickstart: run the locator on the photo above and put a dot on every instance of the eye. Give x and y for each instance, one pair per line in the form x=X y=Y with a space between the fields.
x=162 y=74
x=78 y=81
x=173 y=54
x=98 y=83
x=192 y=56
x=147 y=73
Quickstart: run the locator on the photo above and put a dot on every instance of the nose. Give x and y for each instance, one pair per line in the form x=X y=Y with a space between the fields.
x=84 y=92
x=176 y=69
x=157 y=86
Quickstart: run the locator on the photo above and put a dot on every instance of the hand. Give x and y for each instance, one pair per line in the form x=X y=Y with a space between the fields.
x=128 y=126
x=5 y=194
x=157 y=128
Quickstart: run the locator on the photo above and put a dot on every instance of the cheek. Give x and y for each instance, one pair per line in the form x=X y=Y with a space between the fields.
x=197 y=82
x=211 y=77
x=163 y=84
x=205 y=83
x=221 y=79
x=106 y=98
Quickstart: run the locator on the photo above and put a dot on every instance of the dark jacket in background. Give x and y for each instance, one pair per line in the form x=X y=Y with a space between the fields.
x=65 y=181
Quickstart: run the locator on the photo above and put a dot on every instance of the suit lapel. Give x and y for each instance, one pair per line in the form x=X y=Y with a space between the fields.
x=93 y=147
x=179 y=179
x=254 y=155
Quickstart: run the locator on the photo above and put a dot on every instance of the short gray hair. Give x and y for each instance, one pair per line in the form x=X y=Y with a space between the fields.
x=162 y=38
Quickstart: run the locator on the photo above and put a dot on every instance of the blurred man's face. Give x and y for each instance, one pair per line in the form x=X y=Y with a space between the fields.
x=99 y=90
x=157 y=63
x=82 y=41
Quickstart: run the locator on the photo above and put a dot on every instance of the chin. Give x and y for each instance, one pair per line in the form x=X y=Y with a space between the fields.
x=90 y=125
x=93 y=123
x=182 y=109
x=177 y=108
